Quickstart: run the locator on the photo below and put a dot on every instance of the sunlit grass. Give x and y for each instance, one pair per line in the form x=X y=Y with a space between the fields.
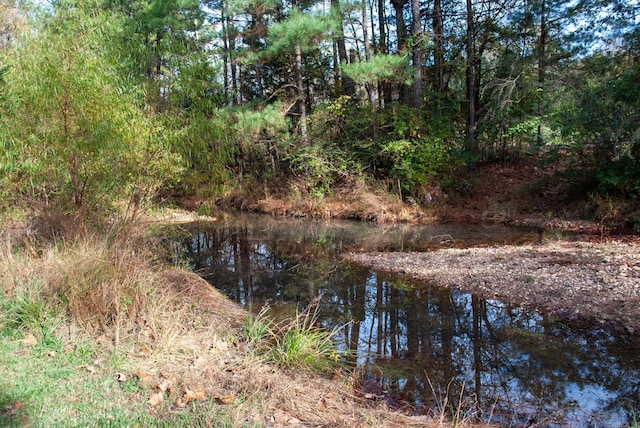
x=27 y=311
x=294 y=342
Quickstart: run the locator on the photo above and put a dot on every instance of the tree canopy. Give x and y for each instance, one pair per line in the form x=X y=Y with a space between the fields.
x=106 y=98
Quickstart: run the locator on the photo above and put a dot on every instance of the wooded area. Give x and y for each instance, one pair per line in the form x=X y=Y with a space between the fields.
x=109 y=100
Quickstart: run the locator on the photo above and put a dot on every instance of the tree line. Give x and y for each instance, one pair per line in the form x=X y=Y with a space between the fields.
x=105 y=100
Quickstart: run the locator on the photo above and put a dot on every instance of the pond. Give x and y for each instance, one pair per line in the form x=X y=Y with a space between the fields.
x=414 y=344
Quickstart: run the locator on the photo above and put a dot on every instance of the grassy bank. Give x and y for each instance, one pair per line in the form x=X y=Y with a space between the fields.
x=93 y=333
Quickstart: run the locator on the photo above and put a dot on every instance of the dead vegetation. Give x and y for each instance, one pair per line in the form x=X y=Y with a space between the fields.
x=520 y=194
x=356 y=201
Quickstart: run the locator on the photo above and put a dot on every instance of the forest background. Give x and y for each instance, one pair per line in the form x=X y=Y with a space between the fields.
x=233 y=103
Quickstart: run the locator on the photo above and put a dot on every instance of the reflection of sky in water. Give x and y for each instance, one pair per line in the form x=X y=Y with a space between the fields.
x=523 y=367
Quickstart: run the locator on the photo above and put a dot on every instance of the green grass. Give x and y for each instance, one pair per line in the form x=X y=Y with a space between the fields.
x=294 y=342
x=258 y=327
x=53 y=377
x=28 y=311
x=44 y=386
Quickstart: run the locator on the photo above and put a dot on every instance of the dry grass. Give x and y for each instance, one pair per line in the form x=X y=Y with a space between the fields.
x=355 y=201
x=179 y=339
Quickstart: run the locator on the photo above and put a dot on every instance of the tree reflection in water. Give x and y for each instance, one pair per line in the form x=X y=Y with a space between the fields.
x=417 y=342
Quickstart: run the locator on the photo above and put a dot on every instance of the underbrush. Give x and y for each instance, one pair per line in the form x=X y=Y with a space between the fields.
x=94 y=334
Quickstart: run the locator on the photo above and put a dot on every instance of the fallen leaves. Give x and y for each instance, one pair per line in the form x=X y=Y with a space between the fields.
x=554 y=277
x=282 y=418
x=88 y=367
x=156 y=398
x=29 y=340
x=146 y=379
x=11 y=410
x=165 y=388
x=225 y=399
x=194 y=394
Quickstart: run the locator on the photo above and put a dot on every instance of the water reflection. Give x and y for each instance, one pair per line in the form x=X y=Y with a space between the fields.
x=413 y=342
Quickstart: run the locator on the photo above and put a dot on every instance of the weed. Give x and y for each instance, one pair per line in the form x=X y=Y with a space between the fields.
x=634 y=416
x=461 y=412
x=117 y=359
x=293 y=342
x=26 y=310
x=258 y=327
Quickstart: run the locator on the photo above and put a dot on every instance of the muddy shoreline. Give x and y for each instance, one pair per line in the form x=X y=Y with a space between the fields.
x=594 y=283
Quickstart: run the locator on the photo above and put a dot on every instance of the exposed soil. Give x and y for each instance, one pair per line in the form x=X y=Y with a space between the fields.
x=521 y=194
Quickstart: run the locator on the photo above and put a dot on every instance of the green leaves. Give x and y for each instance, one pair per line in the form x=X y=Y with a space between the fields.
x=73 y=125
x=393 y=68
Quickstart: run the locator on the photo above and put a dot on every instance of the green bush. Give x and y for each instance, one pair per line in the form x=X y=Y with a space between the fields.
x=414 y=163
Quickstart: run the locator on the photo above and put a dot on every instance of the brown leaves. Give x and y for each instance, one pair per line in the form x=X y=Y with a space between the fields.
x=11 y=410
x=88 y=367
x=166 y=389
x=282 y=418
x=29 y=340
x=194 y=394
x=225 y=399
x=156 y=398
x=146 y=379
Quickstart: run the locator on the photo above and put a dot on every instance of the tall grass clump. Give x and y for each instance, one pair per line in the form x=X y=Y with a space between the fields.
x=294 y=342
x=27 y=312
x=258 y=327
x=98 y=283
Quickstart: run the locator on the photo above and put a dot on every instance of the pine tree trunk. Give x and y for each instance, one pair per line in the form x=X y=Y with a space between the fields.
x=225 y=44
x=541 y=68
x=384 y=86
x=371 y=89
x=438 y=50
x=416 y=29
x=471 y=90
x=231 y=37
x=348 y=84
x=302 y=106
x=401 y=29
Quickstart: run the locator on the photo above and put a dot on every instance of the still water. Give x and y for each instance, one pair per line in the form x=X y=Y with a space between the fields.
x=414 y=343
